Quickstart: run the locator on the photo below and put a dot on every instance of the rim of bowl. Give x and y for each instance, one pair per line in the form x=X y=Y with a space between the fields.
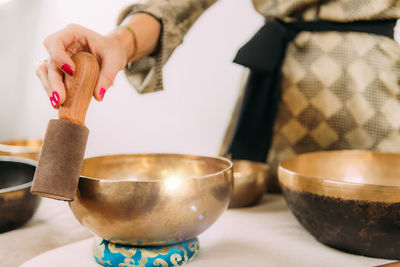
x=192 y=156
x=19 y=160
x=331 y=180
x=261 y=165
x=7 y=146
x=325 y=182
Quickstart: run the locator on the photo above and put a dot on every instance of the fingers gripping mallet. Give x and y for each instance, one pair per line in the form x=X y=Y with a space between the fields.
x=60 y=161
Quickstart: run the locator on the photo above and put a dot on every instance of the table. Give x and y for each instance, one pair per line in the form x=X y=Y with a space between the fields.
x=264 y=235
x=52 y=226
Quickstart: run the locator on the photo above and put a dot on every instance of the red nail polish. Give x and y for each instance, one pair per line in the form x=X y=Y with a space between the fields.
x=53 y=102
x=56 y=96
x=67 y=68
x=102 y=92
x=54 y=99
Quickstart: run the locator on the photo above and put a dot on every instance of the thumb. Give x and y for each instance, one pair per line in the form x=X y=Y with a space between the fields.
x=108 y=71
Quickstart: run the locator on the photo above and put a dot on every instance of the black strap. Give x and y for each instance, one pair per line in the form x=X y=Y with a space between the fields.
x=378 y=27
x=264 y=55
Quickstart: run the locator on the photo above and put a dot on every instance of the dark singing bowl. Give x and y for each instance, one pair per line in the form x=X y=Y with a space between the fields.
x=152 y=199
x=17 y=204
x=349 y=200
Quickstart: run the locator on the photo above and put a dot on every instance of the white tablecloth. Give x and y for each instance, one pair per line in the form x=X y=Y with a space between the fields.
x=265 y=235
x=52 y=226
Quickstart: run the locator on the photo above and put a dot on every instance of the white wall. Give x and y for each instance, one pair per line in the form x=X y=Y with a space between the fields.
x=190 y=116
x=17 y=29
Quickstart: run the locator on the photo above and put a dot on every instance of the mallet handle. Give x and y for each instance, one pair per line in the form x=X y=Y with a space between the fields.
x=79 y=88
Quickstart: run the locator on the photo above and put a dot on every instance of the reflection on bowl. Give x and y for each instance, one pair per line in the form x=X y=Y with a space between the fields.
x=348 y=200
x=152 y=199
x=26 y=148
x=17 y=204
x=250 y=180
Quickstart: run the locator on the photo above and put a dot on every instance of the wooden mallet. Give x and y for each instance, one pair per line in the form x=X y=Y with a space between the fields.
x=60 y=161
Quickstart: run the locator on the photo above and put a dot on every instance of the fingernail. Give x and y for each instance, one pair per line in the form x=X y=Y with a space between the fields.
x=56 y=96
x=102 y=92
x=54 y=99
x=53 y=102
x=67 y=68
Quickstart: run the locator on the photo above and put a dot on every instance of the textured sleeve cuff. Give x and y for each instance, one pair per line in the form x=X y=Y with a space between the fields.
x=145 y=75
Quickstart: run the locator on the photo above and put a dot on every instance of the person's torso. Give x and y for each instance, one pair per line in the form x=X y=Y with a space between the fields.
x=332 y=10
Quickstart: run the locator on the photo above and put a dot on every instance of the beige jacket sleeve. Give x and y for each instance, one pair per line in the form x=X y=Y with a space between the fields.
x=176 y=18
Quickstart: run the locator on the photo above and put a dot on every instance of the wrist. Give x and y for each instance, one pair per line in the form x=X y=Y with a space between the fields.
x=125 y=40
x=146 y=33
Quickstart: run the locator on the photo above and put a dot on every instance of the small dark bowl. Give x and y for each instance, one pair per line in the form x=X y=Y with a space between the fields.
x=17 y=204
x=349 y=200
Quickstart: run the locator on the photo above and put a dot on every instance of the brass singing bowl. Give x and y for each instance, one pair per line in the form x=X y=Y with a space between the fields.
x=250 y=179
x=17 y=204
x=25 y=148
x=349 y=200
x=152 y=199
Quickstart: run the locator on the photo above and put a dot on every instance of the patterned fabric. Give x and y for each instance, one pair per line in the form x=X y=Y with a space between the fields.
x=339 y=91
x=334 y=10
x=109 y=254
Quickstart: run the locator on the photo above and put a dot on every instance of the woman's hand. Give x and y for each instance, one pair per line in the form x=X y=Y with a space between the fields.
x=112 y=51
